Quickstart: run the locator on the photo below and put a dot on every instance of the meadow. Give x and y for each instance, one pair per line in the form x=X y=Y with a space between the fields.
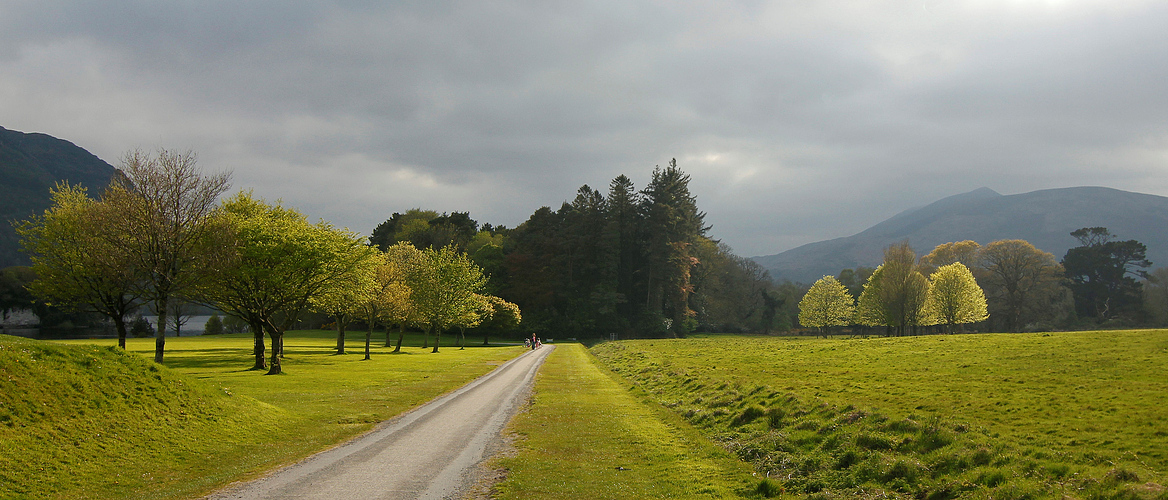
x=81 y=419
x=1045 y=415
x=586 y=436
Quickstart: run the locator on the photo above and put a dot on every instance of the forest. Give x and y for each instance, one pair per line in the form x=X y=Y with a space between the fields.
x=629 y=262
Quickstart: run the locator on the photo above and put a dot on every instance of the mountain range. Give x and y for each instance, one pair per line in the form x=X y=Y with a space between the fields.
x=1045 y=218
x=30 y=165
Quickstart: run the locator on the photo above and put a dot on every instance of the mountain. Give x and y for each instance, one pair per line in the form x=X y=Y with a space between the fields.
x=1044 y=218
x=31 y=164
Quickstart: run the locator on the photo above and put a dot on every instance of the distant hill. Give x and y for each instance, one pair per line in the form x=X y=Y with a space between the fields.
x=30 y=164
x=1044 y=218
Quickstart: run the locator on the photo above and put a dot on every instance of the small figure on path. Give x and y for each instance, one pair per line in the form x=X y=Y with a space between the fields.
x=534 y=342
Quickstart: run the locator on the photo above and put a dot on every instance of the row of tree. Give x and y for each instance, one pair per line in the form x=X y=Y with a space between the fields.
x=1023 y=287
x=632 y=262
x=898 y=296
x=158 y=236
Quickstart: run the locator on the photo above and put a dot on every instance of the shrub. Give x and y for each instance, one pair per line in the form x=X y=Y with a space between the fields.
x=214 y=326
x=141 y=327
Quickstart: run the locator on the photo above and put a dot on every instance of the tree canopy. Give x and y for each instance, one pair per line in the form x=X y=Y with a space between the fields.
x=954 y=297
x=826 y=304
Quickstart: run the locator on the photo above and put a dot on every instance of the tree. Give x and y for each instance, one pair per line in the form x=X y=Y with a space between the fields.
x=1021 y=282
x=213 y=326
x=1156 y=295
x=1102 y=273
x=279 y=263
x=870 y=310
x=672 y=225
x=397 y=304
x=826 y=304
x=944 y=254
x=954 y=297
x=504 y=316
x=854 y=279
x=903 y=289
x=444 y=289
x=160 y=217
x=473 y=317
x=75 y=267
x=348 y=297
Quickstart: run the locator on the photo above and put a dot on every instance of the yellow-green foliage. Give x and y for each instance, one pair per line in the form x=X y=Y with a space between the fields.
x=585 y=436
x=1003 y=416
x=827 y=303
x=954 y=297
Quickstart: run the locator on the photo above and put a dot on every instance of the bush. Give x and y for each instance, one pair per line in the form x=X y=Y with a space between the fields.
x=141 y=327
x=214 y=326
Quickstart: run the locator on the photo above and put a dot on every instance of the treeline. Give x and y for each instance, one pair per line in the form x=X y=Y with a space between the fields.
x=626 y=261
x=158 y=237
x=1101 y=283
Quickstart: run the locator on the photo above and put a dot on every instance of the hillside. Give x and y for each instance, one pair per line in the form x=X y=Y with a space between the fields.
x=30 y=164
x=79 y=419
x=1044 y=218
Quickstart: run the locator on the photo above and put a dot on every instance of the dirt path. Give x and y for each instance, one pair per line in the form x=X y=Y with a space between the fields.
x=427 y=453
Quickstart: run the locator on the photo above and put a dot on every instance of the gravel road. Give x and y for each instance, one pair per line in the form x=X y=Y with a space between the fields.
x=428 y=453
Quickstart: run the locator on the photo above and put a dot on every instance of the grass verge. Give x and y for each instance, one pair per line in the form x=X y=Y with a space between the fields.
x=81 y=419
x=1077 y=415
x=585 y=436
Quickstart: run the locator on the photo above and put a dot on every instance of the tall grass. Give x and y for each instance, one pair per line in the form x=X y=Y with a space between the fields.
x=1004 y=416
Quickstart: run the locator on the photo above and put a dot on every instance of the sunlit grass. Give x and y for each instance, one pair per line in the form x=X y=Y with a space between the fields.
x=997 y=415
x=104 y=424
x=586 y=436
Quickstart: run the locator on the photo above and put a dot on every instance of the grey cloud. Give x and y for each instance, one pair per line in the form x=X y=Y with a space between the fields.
x=798 y=121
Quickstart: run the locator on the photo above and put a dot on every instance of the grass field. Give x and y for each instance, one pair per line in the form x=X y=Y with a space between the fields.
x=586 y=436
x=1081 y=414
x=83 y=420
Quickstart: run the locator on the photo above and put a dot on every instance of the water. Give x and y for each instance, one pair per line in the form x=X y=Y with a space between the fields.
x=194 y=326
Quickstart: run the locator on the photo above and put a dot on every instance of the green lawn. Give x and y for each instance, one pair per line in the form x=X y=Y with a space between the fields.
x=586 y=436
x=1082 y=414
x=83 y=420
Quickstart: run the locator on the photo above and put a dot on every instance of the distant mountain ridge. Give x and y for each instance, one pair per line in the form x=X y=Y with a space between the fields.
x=31 y=164
x=1044 y=218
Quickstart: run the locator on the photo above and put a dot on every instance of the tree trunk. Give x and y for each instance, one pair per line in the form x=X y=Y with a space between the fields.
x=120 y=325
x=426 y=339
x=461 y=339
x=437 y=339
x=388 y=343
x=277 y=340
x=368 y=336
x=340 y=337
x=160 y=331
x=257 y=331
x=401 y=335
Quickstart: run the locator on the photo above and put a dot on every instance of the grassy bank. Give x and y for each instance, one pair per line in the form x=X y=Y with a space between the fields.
x=93 y=422
x=586 y=436
x=1003 y=416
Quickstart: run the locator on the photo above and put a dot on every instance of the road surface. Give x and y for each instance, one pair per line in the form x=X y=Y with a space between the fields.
x=428 y=453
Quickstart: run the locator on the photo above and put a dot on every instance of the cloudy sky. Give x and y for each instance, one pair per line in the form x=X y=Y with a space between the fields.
x=798 y=121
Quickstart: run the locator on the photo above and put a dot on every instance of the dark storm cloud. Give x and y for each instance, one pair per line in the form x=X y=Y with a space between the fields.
x=798 y=121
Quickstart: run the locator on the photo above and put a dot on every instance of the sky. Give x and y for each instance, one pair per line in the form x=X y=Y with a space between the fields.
x=797 y=121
